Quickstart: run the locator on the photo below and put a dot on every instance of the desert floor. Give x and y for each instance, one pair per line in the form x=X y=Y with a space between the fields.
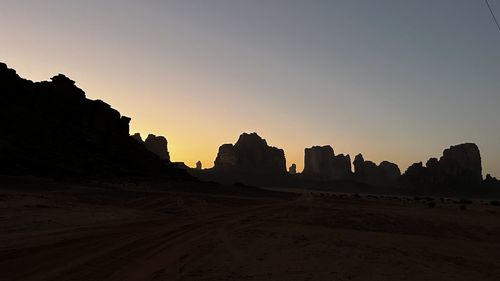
x=150 y=231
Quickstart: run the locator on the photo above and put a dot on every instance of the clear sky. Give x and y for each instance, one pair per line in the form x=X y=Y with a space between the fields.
x=396 y=80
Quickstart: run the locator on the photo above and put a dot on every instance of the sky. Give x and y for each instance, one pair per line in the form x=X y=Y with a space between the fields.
x=394 y=80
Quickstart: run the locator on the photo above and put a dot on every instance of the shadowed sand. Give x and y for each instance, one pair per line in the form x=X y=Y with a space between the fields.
x=116 y=231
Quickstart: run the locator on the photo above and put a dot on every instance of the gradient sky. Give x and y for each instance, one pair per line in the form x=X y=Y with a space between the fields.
x=396 y=80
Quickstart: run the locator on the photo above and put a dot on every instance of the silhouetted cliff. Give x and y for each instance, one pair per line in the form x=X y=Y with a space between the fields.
x=156 y=144
x=51 y=129
x=249 y=161
x=491 y=182
x=321 y=163
x=386 y=173
x=251 y=154
x=460 y=166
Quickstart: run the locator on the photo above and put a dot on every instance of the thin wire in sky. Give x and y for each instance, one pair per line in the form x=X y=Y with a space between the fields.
x=492 y=14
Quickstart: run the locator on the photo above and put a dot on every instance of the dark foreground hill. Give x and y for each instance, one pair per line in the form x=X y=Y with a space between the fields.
x=50 y=128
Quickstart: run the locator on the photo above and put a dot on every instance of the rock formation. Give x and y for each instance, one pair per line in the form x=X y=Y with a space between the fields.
x=491 y=182
x=138 y=137
x=390 y=171
x=368 y=172
x=226 y=157
x=251 y=154
x=460 y=165
x=321 y=163
x=490 y=179
x=292 y=170
x=157 y=145
x=51 y=129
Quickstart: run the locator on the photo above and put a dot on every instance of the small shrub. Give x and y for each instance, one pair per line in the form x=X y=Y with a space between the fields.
x=495 y=203
x=463 y=207
x=431 y=204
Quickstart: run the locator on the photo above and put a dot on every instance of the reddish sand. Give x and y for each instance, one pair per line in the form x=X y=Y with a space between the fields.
x=57 y=231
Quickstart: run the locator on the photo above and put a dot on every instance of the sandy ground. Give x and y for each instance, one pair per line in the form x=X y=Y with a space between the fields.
x=57 y=231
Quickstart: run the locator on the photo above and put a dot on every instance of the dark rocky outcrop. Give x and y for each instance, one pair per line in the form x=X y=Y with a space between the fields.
x=368 y=172
x=156 y=144
x=460 y=165
x=251 y=154
x=51 y=129
x=250 y=161
x=491 y=183
x=390 y=171
x=226 y=157
x=293 y=169
x=490 y=180
x=138 y=137
x=320 y=162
